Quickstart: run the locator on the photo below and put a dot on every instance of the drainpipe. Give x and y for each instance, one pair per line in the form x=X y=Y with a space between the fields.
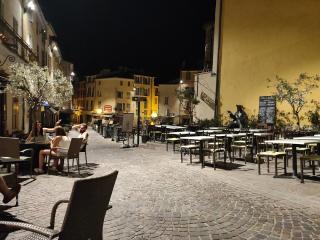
x=217 y=54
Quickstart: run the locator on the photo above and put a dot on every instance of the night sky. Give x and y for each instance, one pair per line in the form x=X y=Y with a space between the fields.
x=158 y=37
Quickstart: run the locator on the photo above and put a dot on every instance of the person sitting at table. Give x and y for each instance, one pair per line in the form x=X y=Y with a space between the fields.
x=239 y=118
x=41 y=131
x=8 y=194
x=38 y=132
x=82 y=128
x=59 y=145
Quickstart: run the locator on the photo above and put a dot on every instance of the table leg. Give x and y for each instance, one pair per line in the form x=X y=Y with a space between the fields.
x=201 y=153
x=294 y=161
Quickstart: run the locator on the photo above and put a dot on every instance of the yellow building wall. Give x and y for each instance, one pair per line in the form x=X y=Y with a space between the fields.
x=264 y=38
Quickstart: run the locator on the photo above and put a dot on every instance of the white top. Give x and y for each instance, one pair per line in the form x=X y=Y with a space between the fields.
x=63 y=145
x=84 y=136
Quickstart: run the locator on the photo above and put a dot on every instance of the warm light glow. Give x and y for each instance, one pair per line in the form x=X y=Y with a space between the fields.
x=31 y=5
x=99 y=111
x=154 y=115
x=181 y=81
x=72 y=74
x=55 y=48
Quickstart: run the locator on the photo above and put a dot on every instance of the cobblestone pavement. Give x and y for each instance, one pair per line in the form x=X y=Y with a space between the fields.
x=157 y=197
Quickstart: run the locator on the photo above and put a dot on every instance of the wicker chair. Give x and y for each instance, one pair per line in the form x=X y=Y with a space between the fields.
x=73 y=153
x=85 y=213
x=84 y=149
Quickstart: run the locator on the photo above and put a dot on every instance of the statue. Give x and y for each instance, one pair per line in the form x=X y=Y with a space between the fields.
x=239 y=118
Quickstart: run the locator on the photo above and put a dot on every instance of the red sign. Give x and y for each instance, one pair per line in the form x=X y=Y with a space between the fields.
x=107 y=108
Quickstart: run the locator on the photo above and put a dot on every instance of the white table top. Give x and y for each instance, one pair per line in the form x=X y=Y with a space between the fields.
x=308 y=138
x=293 y=141
x=262 y=134
x=181 y=133
x=217 y=128
x=170 y=127
x=198 y=138
x=257 y=130
x=229 y=135
x=210 y=131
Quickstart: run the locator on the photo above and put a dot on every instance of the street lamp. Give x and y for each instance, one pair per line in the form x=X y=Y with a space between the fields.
x=180 y=101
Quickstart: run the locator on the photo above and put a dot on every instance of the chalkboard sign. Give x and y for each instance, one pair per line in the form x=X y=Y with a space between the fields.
x=267 y=109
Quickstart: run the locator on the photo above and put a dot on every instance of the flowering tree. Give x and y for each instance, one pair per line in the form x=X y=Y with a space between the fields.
x=36 y=86
x=188 y=101
x=294 y=93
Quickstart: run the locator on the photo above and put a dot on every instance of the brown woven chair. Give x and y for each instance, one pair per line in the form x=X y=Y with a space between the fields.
x=10 y=154
x=73 y=153
x=84 y=149
x=85 y=213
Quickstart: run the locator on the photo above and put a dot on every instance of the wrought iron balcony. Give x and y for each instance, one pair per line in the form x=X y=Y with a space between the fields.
x=11 y=39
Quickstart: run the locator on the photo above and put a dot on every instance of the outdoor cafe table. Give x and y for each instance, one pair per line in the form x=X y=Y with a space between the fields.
x=218 y=128
x=201 y=140
x=170 y=127
x=181 y=133
x=294 y=143
x=210 y=131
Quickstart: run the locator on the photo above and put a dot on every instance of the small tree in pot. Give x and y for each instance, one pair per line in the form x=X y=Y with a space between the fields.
x=294 y=93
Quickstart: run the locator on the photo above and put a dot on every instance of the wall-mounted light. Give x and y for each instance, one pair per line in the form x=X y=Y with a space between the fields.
x=72 y=74
x=55 y=48
x=99 y=111
x=181 y=81
x=154 y=115
x=31 y=5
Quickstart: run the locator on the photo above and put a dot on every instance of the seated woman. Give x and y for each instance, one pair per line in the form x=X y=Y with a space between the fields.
x=38 y=132
x=59 y=145
x=41 y=131
x=8 y=194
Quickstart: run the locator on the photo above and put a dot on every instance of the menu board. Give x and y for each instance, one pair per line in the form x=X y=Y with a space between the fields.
x=267 y=109
x=127 y=122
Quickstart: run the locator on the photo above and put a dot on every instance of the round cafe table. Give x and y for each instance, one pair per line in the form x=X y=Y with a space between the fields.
x=37 y=147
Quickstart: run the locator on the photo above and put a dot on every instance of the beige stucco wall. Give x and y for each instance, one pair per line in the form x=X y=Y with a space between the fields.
x=264 y=38
x=168 y=90
x=204 y=83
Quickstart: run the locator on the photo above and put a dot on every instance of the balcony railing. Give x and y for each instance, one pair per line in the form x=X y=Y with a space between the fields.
x=11 y=39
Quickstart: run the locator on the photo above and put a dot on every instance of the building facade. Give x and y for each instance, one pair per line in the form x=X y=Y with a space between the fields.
x=262 y=39
x=25 y=36
x=112 y=92
x=168 y=102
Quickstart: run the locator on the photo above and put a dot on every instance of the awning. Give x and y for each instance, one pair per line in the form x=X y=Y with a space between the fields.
x=53 y=110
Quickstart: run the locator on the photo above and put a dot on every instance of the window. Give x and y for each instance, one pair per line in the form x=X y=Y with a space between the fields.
x=128 y=107
x=121 y=83
x=91 y=105
x=166 y=100
x=145 y=104
x=1 y=8
x=99 y=104
x=119 y=107
x=129 y=84
x=15 y=25
x=128 y=95
x=92 y=94
x=156 y=100
x=99 y=83
x=119 y=94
